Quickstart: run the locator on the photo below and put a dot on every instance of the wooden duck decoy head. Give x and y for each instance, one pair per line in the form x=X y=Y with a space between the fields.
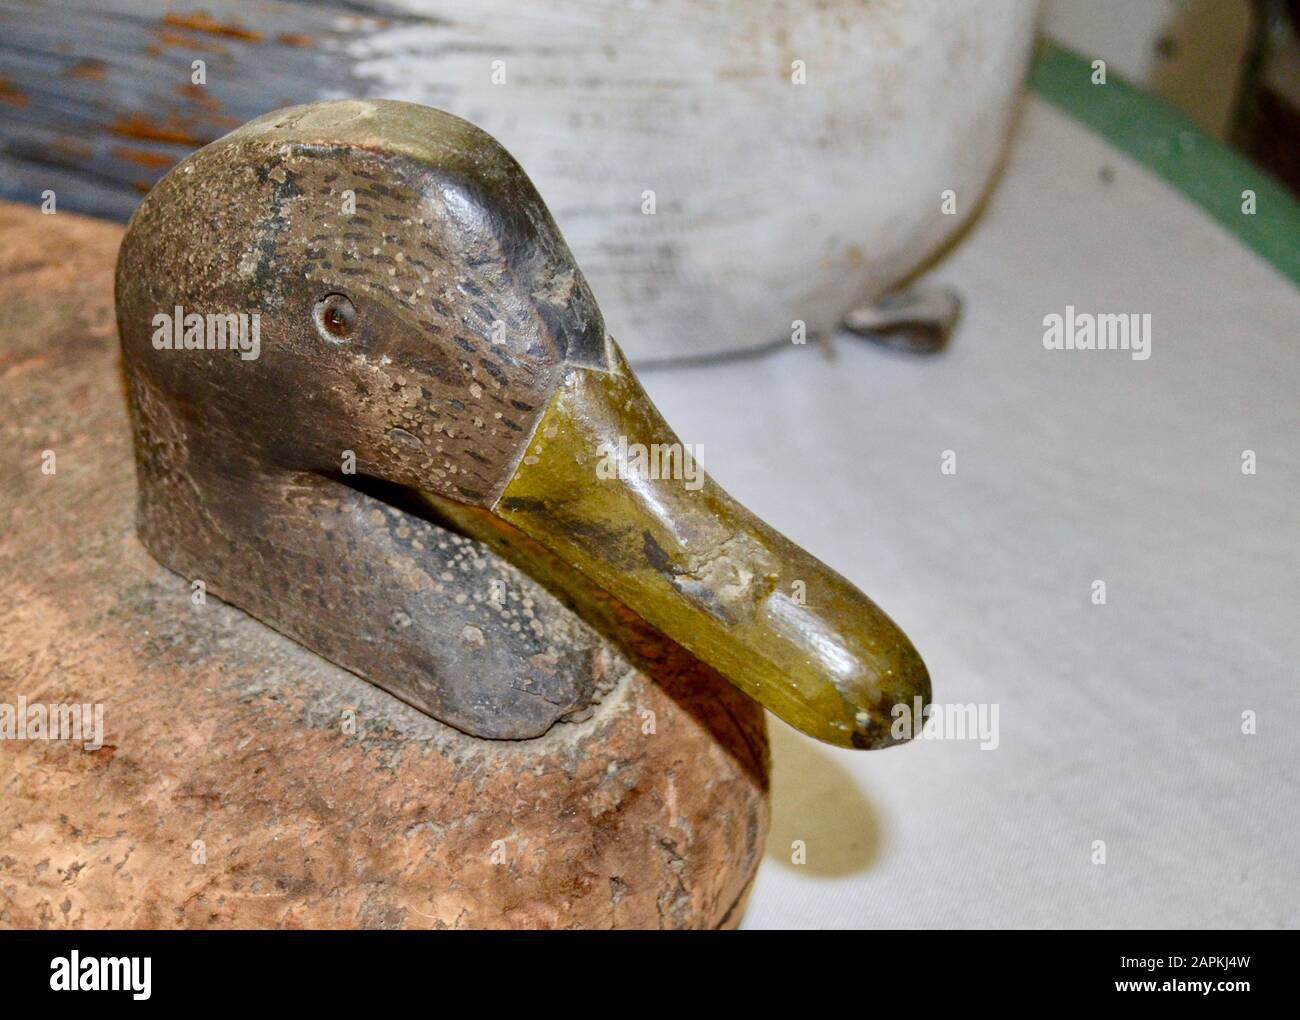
x=416 y=343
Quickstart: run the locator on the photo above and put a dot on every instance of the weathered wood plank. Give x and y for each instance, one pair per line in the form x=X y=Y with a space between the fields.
x=99 y=96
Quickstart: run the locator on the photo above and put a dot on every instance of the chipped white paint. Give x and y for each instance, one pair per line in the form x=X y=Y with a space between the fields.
x=774 y=201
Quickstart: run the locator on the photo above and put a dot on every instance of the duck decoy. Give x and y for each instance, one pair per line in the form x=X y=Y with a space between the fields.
x=352 y=331
x=240 y=780
x=719 y=170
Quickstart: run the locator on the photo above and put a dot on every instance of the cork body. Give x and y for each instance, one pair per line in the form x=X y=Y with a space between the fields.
x=242 y=781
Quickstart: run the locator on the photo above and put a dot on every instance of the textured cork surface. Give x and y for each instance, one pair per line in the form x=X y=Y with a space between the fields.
x=245 y=782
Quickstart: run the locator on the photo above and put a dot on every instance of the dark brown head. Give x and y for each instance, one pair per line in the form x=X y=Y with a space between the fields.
x=415 y=302
x=418 y=311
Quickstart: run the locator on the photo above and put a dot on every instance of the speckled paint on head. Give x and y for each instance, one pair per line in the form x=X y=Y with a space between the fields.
x=449 y=257
x=422 y=316
x=467 y=306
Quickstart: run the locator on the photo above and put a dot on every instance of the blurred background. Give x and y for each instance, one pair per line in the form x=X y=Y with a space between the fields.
x=1232 y=66
x=728 y=174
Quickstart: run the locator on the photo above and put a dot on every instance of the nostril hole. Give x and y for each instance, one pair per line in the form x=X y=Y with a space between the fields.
x=335 y=317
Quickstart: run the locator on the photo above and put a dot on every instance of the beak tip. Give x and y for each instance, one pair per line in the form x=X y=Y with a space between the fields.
x=897 y=715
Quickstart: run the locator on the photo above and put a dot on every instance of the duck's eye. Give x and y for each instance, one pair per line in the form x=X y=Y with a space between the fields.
x=335 y=317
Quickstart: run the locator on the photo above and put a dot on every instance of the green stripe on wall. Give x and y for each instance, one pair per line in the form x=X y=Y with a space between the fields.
x=1152 y=132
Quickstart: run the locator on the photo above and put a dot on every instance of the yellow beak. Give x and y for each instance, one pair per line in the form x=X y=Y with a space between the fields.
x=678 y=551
